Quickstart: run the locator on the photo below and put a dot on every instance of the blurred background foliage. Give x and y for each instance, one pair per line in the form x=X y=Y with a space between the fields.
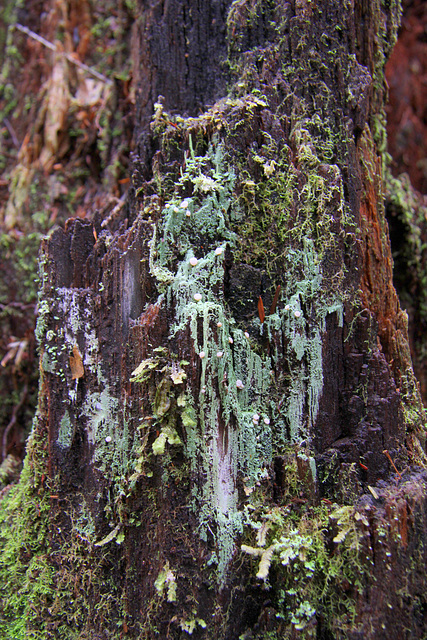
x=66 y=125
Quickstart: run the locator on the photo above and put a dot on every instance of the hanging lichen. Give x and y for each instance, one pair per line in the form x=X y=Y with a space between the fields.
x=231 y=423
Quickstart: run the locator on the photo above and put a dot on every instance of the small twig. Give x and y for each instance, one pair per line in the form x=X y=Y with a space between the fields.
x=15 y=410
x=35 y=36
x=386 y=453
x=69 y=57
x=115 y=211
x=11 y=132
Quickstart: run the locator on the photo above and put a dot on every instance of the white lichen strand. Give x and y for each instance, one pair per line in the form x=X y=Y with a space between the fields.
x=234 y=381
x=305 y=343
x=161 y=274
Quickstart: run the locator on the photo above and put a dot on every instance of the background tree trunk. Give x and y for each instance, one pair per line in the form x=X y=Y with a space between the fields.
x=226 y=383
x=406 y=209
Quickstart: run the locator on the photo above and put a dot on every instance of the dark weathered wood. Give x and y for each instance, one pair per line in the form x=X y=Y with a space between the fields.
x=199 y=422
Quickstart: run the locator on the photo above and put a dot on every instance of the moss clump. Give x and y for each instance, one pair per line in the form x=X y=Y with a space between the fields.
x=314 y=556
x=26 y=573
x=62 y=589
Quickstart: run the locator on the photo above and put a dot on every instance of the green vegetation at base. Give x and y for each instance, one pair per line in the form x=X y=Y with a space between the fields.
x=26 y=574
x=51 y=590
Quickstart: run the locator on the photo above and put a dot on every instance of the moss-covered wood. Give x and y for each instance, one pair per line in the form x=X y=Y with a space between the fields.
x=230 y=437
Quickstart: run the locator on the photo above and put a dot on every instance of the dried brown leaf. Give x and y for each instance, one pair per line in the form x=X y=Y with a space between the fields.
x=76 y=364
x=261 y=311
x=275 y=299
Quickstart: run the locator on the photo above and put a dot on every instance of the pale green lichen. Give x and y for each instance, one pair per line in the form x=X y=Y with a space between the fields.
x=204 y=214
x=84 y=523
x=101 y=410
x=107 y=433
x=160 y=273
x=303 y=323
x=222 y=438
x=65 y=433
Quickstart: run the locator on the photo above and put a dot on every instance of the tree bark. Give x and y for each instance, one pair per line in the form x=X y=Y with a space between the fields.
x=230 y=435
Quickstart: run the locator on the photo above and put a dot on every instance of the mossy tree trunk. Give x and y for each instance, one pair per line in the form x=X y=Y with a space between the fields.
x=225 y=363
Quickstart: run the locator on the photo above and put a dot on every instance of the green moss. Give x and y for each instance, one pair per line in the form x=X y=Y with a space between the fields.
x=26 y=574
x=308 y=553
x=65 y=588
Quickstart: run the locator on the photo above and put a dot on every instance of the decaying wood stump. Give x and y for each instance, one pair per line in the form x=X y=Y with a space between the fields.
x=225 y=364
